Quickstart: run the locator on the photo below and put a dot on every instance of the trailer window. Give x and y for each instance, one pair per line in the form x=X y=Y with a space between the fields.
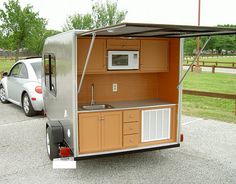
x=50 y=72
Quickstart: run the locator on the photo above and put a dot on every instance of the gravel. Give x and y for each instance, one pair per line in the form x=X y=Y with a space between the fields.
x=208 y=155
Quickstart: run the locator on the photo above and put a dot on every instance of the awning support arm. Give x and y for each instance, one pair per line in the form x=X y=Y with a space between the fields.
x=197 y=56
x=86 y=61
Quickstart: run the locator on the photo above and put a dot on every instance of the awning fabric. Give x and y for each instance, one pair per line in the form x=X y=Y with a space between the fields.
x=158 y=30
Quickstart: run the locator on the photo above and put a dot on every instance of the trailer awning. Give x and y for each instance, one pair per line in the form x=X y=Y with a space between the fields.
x=158 y=30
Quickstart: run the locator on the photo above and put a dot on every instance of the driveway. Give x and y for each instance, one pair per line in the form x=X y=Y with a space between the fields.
x=208 y=155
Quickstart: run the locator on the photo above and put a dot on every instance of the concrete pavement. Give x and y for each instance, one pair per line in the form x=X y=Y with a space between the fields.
x=206 y=156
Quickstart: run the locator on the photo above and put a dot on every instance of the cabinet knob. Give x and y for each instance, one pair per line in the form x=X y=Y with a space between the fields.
x=130 y=128
x=131 y=116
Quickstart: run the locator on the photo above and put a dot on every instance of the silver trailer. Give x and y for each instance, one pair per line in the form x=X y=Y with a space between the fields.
x=64 y=77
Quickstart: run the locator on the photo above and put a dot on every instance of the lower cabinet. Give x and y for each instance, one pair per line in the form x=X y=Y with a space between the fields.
x=100 y=131
x=90 y=132
x=114 y=130
x=111 y=130
x=131 y=128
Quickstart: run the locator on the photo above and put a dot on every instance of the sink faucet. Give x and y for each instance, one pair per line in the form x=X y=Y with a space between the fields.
x=92 y=90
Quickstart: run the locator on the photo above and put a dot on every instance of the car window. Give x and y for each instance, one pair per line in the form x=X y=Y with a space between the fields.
x=15 y=70
x=37 y=69
x=23 y=72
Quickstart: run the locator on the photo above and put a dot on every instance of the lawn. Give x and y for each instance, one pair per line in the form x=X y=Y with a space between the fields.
x=5 y=65
x=206 y=107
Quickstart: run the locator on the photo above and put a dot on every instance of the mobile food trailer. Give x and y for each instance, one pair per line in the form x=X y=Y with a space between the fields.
x=115 y=89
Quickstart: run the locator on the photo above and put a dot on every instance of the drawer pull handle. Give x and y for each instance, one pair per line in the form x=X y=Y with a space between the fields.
x=131 y=141
x=131 y=116
x=130 y=128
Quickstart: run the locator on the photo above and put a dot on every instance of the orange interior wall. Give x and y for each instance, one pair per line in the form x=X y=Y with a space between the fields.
x=168 y=81
x=130 y=87
x=136 y=86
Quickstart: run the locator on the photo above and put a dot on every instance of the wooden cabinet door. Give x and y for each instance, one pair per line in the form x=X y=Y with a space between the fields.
x=89 y=132
x=111 y=130
x=154 y=55
x=97 y=61
x=123 y=44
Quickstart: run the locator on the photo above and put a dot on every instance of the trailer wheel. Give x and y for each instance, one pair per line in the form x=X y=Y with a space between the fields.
x=52 y=148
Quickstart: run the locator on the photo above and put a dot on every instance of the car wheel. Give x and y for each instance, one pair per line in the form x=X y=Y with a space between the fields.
x=52 y=148
x=27 y=106
x=3 y=97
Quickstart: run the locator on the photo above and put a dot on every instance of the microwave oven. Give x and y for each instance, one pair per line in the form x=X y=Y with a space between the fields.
x=123 y=60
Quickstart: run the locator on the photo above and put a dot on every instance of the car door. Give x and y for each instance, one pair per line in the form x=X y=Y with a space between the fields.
x=21 y=80
x=11 y=81
x=17 y=77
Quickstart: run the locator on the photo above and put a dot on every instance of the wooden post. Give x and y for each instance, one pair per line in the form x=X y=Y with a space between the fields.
x=213 y=69
x=192 y=68
x=216 y=63
x=235 y=107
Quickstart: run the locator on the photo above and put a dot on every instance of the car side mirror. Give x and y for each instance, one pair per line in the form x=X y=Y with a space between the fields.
x=5 y=74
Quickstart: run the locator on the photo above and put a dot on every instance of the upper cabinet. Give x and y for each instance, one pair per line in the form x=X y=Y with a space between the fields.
x=154 y=55
x=97 y=60
x=123 y=44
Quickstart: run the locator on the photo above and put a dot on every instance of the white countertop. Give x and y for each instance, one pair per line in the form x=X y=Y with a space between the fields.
x=122 y=105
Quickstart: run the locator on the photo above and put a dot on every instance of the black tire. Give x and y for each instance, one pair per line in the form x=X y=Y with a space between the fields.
x=52 y=148
x=27 y=106
x=3 y=95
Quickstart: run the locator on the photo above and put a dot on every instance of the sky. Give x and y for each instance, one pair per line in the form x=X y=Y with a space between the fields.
x=184 y=12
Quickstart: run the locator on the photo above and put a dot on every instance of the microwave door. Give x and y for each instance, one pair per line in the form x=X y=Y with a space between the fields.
x=119 y=61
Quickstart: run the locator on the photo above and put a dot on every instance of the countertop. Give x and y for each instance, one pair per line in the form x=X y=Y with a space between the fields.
x=137 y=104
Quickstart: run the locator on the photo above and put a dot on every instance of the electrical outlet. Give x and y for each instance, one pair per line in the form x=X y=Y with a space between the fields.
x=114 y=87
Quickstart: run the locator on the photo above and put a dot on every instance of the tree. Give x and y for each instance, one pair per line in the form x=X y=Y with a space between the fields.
x=107 y=14
x=217 y=43
x=102 y=15
x=190 y=45
x=20 y=24
x=35 y=42
x=79 y=21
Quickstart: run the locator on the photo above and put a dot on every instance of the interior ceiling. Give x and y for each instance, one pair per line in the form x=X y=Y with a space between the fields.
x=158 y=30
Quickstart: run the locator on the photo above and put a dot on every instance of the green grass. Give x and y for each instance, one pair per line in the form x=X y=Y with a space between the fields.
x=218 y=82
x=207 y=107
x=5 y=65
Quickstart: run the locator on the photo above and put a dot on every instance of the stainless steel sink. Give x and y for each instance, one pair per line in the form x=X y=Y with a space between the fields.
x=96 y=107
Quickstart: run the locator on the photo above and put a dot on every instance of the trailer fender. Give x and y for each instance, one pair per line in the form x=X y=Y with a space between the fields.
x=56 y=130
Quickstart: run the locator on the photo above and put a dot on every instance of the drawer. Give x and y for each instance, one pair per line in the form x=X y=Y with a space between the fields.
x=131 y=116
x=131 y=140
x=131 y=128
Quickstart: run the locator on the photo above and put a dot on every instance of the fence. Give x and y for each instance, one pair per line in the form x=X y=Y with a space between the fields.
x=210 y=94
x=213 y=64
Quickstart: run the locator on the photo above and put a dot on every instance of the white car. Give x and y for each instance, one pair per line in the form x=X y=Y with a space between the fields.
x=22 y=86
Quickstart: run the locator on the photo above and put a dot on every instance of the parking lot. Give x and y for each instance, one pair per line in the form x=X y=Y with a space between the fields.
x=208 y=155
